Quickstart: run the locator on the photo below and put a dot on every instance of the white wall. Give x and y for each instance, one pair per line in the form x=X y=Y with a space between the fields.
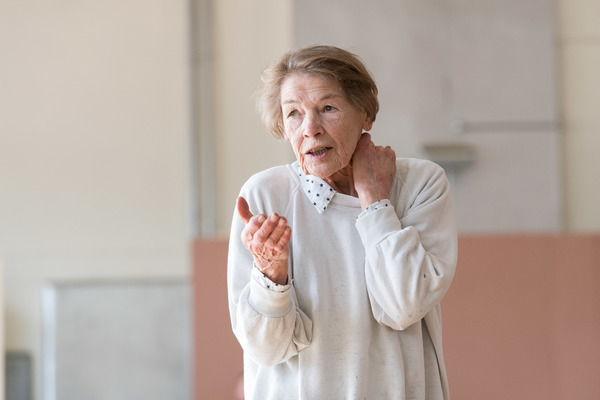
x=538 y=176
x=94 y=154
x=489 y=63
x=248 y=37
x=579 y=45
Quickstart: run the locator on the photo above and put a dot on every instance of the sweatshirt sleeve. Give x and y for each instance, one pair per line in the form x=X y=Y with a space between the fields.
x=410 y=260
x=265 y=316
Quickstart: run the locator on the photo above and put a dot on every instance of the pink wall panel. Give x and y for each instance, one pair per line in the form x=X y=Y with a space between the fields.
x=522 y=317
x=218 y=356
x=521 y=320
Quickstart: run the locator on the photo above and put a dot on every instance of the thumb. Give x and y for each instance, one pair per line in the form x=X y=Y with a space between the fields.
x=362 y=144
x=243 y=210
x=365 y=139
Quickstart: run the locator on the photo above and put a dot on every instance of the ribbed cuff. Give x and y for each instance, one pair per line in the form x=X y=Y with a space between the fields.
x=375 y=226
x=268 y=297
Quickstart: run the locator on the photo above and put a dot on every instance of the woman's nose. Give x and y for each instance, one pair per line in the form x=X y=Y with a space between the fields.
x=312 y=125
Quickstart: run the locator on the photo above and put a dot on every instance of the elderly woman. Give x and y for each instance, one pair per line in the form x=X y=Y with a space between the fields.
x=338 y=261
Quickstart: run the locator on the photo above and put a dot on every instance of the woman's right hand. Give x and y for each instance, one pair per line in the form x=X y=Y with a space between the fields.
x=373 y=168
x=267 y=239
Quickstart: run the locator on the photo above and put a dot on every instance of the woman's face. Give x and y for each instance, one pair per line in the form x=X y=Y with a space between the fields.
x=320 y=123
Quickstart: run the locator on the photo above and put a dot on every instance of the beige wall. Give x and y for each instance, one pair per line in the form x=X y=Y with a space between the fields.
x=579 y=43
x=248 y=36
x=93 y=149
x=95 y=140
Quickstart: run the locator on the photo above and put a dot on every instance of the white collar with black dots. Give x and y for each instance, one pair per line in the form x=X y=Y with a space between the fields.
x=317 y=190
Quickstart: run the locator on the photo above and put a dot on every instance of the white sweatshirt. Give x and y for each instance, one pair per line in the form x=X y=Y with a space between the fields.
x=361 y=316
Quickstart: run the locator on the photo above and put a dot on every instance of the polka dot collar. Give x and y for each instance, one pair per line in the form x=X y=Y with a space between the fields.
x=316 y=189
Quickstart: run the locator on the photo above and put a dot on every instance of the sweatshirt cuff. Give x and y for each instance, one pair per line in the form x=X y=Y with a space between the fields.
x=374 y=207
x=376 y=225
x=267 y=297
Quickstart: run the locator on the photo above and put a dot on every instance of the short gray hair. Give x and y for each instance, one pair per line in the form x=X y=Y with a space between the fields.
x=333 y=62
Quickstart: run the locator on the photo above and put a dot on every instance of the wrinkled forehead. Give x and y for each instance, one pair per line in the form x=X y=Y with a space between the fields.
x=299 y=86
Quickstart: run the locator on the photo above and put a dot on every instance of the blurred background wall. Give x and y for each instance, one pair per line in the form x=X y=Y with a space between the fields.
x=94 y=150
x=469 y=84
x=579 y=60
x=99 y=131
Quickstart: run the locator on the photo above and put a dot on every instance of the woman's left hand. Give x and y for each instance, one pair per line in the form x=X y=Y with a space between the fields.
x=373 y=169
x=267 y=239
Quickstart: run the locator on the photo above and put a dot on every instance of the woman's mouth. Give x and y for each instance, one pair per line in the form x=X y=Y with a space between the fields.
x=318 y=152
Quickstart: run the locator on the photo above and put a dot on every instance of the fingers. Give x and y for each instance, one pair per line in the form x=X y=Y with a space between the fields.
x=263 y=232
x=272 y=231
x=252 y=226
x=267 y=238
x=253 y=222
x=285 y=238
x=367 y=148
x=243 y=210
x=366 y=140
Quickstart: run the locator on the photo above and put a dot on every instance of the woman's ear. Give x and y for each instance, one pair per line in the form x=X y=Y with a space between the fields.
x=367 y=125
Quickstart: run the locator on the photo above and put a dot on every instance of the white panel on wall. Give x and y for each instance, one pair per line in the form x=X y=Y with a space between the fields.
x=117 y=340
x=503 y=101
x=475 y=73
x=502 y=59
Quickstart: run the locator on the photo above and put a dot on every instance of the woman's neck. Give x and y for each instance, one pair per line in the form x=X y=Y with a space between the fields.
x=343 y=181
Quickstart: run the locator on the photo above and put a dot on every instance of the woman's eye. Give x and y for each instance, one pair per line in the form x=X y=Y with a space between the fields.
x=328 y=108
x=293 y=113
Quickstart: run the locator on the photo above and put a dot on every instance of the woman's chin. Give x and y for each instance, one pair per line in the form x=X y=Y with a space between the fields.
x=313 y=170
x=323 y=166
x=323 y=173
